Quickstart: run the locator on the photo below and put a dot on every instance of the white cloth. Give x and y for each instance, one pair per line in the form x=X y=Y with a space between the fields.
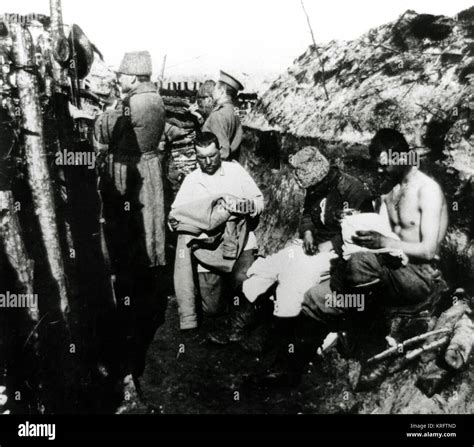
x=295 y=273
x=231 y=178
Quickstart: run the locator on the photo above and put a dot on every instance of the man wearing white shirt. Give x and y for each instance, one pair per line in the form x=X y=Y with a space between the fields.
x=212 y=178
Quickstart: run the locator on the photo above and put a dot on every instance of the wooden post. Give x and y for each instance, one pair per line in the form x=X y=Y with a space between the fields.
x=11 y=234
x=162 y=74
x=38 y=173
x=61 y=51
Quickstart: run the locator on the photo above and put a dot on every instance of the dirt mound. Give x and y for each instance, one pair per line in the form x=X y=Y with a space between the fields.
x=414 y=74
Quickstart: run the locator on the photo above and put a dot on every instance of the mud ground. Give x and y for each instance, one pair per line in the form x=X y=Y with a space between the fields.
x=185 y=374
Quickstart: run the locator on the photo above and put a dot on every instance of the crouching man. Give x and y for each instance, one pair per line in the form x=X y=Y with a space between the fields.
x=418 y=216
x=214 y=213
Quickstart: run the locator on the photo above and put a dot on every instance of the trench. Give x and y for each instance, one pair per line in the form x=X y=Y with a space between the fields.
x=186 y=374
x=183 y=373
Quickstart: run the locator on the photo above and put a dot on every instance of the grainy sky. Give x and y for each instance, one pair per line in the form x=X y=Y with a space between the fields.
x=201 y=36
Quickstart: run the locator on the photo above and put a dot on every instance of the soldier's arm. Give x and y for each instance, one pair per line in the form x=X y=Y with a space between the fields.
x=105 y=125
x=306 y=222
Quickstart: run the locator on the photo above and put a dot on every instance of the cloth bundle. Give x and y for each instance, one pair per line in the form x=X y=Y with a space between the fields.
x=293 y=270
x=221 y=236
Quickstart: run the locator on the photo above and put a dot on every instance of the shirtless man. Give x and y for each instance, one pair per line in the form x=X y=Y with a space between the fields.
x=418 y=215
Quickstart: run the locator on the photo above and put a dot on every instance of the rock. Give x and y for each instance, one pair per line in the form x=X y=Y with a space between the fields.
x=433 y=380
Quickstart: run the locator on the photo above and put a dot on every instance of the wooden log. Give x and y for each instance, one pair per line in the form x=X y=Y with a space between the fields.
x=433 y=347
x=179 y=93
x=402 y=347
x=61 y=52
x=184 y=143
x=428 y=347
x=181 y=123
x=11 y=235
x=35 y=149
x=174 y=101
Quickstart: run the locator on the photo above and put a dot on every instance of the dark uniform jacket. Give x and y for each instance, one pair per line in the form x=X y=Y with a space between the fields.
x=324 y=203
x=225 y=125
x=134 y=174
x=136 y=125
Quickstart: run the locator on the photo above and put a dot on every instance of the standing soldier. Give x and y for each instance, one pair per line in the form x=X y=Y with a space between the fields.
x=205 y=103
x=132 y=190
x=223 y=121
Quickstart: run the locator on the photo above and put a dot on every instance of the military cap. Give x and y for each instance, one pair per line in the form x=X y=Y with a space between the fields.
x=226 y=78
x=312 y=166
x=137 y=63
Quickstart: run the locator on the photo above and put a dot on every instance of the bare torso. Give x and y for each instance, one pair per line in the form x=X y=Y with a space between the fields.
x=404 y=208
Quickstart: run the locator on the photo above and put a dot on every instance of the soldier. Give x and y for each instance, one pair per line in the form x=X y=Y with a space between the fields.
x=132 y=190
x=205 y=103
x=223 y=121
x=213 y=177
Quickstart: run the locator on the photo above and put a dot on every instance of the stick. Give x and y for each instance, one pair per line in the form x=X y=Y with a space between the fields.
x=383 y=355
x=317 y=51
x=386 y=47
x=401 y=363
x=163 y=70
x=427 y=109
x=425 y=348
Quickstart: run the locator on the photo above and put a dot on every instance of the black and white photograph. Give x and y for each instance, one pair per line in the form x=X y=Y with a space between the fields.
x=256 y=213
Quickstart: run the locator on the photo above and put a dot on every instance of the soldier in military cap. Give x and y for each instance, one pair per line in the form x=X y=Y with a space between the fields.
x=132 y=191
x=223 y=121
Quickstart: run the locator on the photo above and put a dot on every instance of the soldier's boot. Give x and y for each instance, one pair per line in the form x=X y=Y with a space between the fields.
x=300 y=340
x=260 y=340
x=242 y=320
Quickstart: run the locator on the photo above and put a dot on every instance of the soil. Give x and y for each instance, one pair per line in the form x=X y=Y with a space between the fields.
x=185 y=374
